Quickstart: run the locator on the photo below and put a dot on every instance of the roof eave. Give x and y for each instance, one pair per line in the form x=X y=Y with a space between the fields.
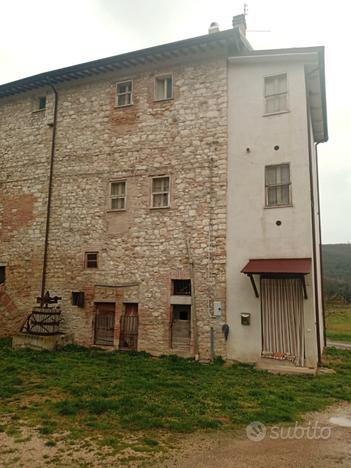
x=155 y=54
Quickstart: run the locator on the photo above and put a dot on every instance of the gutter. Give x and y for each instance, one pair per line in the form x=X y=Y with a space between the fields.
x=319 y=362
x=321 y=251
x=323 y=95
x=48 y=210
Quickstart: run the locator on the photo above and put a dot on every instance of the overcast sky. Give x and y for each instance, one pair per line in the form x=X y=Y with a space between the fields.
x=41 y=35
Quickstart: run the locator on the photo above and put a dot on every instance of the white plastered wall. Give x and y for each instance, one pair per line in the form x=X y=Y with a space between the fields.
x=252 y=230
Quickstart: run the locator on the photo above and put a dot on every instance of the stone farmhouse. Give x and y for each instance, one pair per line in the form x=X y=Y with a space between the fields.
x=170 y=197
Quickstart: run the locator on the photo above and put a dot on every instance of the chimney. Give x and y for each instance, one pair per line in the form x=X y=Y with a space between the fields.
x=240 y=22
x=213 y=28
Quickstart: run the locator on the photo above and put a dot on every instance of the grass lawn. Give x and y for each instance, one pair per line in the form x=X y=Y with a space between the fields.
x=108 y=396
x=338 y=322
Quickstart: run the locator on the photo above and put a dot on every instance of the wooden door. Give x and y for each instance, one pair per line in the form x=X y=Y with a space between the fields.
x=128 y=338
x=181 y=329
x=105 y=324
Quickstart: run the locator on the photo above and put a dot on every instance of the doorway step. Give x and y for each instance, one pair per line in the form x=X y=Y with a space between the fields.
x=283 y=367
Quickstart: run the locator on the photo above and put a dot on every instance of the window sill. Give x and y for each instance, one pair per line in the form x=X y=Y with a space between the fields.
x=159 y=207
x=125 y=105
x=122 y=210
x=38 y=110
x=164 y=99
x=279 y=206
x=276 y=113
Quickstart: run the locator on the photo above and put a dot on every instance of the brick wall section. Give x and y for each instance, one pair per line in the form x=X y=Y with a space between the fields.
x=24 y=154
x=185 y=138
x=10 y=319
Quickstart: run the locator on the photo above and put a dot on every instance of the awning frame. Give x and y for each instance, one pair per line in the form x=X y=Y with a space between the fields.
x=300 y=276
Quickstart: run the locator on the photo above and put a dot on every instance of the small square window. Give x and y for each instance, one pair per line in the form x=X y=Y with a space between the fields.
x=163 y=88
x=118 y=195
x=42 y=103
x=278 y=185
x=124 y=94
x=160 y=192
x=77 y=298
x=181 y=287
x=91 y=259
x=276 y=93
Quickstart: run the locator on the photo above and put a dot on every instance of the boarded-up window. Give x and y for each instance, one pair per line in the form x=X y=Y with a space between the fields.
x=163 y=88
x=124 y=94
x=278 y=186
x=276 y=93
x=160 y=192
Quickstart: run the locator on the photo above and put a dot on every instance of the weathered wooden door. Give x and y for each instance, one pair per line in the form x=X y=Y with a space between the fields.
x=128 y=338
x=181 y=327
x=105 y=323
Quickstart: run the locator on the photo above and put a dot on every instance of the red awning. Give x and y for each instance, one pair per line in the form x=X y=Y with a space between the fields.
x=300 y=266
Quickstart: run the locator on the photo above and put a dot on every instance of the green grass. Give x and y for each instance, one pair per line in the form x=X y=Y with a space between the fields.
x=338 y=322
x=133 y=400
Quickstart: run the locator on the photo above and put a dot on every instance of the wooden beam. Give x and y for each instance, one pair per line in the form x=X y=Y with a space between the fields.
x=304 y=287
x=254 y=285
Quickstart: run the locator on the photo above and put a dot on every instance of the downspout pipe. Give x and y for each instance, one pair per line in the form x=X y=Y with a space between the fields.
x=320 y=249
x=48 y=209
x=193 y=300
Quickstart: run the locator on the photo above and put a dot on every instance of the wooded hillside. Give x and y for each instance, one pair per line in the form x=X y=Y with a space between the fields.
x=337 y=272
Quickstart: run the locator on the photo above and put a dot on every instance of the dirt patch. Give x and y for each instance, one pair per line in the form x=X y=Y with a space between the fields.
x=26 y=447
x=203 y=449
x=231 y=449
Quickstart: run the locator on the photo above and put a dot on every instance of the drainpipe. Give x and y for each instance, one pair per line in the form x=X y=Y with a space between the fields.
x=314 y=247
x=320 y=250
x=193 y=300
x=210 y=249
x=48 y=210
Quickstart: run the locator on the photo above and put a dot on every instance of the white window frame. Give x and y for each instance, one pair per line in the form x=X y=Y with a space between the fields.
x=163 y=77
x=267 y=96
x=111 y=197
x=124 y=94
x=281 y=205
x=160 y=193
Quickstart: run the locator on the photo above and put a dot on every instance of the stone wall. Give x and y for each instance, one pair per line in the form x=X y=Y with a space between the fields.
x=184 y=138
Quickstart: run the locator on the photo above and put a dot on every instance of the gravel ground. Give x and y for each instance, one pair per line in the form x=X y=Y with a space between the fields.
x=235 y=450
x=328 y=448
